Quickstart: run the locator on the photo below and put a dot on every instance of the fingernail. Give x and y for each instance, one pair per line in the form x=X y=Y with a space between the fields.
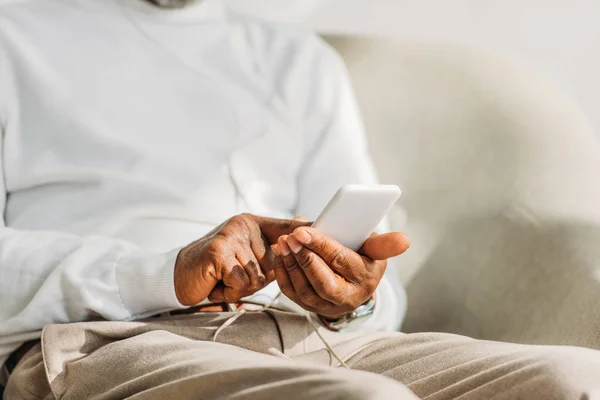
x=284 y=249
x=294 y=244
x=303 y=236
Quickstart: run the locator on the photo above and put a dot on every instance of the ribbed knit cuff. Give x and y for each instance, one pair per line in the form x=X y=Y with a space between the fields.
x=146 y=283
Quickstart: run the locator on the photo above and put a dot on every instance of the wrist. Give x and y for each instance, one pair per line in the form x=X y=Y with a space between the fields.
x=341 y=322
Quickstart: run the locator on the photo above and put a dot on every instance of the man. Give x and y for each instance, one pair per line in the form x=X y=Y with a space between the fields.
x=142 y=146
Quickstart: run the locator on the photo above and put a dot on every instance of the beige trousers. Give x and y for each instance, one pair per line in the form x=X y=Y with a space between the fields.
x=175 y=358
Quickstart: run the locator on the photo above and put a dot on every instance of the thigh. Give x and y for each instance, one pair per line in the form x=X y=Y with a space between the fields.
x=29 y=380
x=178 y=359
x=200 y=369
x=444 y=366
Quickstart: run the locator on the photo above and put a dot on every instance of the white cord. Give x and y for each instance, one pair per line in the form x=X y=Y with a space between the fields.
x=273 y=350
x=315 y=327
x=239 y=313
x=227 y=323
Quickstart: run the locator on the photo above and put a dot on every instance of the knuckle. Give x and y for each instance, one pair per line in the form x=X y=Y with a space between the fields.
x=244 y=219
x=371 y=285
x=290 y=263
x=350 y=303
x=215 y=248
x=306 y=259
x=339 y=259
x=261 y=280
x=234 y=223
x=254 y=286
x=245 y=226
x=209 y=271
x=238 y=275
x=236 y=219
x=287 y=290
x=305 y=293
x=231 y=297
x=332 y=289
x=222 y=235
x=323 y=244
x=239 y=239
x=308 y=297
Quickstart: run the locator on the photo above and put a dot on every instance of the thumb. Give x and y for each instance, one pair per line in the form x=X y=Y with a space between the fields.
x=273 y=228
x=387 y=245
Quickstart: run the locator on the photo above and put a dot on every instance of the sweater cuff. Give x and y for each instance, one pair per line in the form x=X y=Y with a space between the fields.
x=146 y=283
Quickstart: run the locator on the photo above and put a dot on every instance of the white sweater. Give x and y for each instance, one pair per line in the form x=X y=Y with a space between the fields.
x=129 y=131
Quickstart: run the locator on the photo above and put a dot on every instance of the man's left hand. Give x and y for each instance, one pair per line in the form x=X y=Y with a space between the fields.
x=324 y=277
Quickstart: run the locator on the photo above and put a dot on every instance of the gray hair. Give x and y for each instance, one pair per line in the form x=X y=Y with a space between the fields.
x=171 y=3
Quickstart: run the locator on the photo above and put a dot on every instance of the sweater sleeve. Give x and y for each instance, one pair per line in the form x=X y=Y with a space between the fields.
x=53 y=277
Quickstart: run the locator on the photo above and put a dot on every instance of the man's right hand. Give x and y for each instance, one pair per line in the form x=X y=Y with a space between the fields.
x=233 y=261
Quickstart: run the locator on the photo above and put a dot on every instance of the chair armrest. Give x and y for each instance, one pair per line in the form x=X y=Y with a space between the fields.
x=512 y=278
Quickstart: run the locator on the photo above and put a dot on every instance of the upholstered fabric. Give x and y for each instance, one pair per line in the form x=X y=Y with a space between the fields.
x=501 y=180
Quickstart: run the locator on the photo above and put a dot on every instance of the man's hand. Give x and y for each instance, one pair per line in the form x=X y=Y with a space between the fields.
x=324 y=277
x=233 y=261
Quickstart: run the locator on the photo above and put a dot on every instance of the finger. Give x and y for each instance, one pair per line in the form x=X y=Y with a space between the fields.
x=297 y=279
x=270 y=275
x=326 y=283
x=253 y=270
x=283 y=280
x=384 y=246
x=338 y=257
x=302 y=286
x=221 y=263
x=236 y=281
x=285 y=283
x=217 y=295
x=262 y=251
x=273 y=228
x=302 y=219
x=287 y=288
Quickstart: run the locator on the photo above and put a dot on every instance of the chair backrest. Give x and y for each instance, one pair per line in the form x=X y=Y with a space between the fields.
x=501 y=179
x=464 y=132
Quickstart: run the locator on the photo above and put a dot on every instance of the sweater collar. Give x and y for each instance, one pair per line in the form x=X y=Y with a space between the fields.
x=199 y=10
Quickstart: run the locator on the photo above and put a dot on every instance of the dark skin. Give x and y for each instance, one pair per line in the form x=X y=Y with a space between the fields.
x=325 y=277
x=247 y=252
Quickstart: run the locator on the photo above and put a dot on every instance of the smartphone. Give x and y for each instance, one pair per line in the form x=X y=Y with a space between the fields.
x=355 y=211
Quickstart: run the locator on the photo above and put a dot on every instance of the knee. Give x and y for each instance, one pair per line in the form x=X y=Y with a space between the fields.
x=569 y=372
x=369 y=386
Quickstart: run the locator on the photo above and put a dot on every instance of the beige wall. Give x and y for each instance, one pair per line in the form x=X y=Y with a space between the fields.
x=561 y=38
